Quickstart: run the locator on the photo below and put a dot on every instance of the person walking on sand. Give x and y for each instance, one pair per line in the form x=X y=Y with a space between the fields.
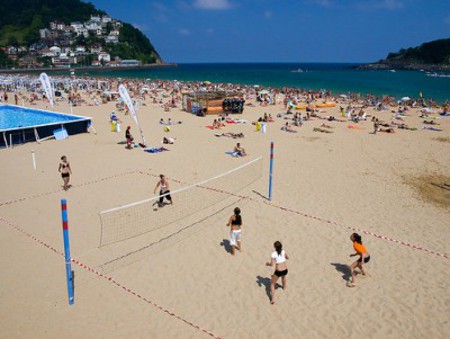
x=364 y=257
x=278 y=258
x=164 y=191
x=235 y=224
x=129 y=138
x=66 y=171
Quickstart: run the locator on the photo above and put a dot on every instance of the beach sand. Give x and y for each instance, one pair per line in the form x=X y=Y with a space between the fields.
x=326 y=186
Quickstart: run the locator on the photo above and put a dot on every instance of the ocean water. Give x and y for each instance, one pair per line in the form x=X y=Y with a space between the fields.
x=339 y=78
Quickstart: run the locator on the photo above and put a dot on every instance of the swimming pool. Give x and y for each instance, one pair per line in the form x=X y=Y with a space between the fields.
x=20 y=124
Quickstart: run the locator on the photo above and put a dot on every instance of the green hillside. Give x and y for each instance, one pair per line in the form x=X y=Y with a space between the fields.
x=20 y=21
x=436 y=52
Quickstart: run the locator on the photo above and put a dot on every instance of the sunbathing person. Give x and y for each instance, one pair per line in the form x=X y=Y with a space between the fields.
x=430 y=122
x=322 y=130
x=326 y=126
x=231 y=135
x=288 y=128
x=386 y=130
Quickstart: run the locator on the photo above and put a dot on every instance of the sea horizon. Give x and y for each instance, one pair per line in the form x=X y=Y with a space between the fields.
x=340 y=78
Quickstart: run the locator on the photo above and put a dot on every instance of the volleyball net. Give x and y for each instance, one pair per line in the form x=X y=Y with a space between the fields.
x=135 y=219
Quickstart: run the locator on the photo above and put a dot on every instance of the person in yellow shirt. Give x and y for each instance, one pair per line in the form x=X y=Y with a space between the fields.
x=364 y=257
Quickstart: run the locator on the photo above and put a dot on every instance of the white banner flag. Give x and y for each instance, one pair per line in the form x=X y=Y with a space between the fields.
x=126 y=98
x=46 y=85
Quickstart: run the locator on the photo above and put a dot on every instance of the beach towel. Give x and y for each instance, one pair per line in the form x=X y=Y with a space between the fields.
x=210 y=127
x=60 y=134
x=356 y=127
x=233 y=154
x=155 y=149
x=444 y=114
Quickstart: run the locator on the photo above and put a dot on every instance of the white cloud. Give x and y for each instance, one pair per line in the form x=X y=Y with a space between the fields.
x=268 y=14
x=184 y=31
x=212 y=4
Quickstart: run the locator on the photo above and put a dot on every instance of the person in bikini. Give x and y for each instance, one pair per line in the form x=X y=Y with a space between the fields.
x=364 y=257
x=164 y=191
x=235 y=224
x=278 y=258
x=66 y=171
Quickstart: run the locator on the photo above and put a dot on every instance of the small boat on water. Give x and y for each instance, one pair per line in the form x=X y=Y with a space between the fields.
x=392 y=70
x=298 y=70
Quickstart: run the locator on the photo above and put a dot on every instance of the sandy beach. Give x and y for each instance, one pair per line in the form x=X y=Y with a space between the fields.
x=180 y=281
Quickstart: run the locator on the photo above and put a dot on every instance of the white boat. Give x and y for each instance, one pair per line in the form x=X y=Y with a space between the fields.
x=392 y=70
x=298 y=70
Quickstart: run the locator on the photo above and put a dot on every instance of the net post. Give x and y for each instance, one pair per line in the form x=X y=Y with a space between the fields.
x=271 y=170
x=69 y=272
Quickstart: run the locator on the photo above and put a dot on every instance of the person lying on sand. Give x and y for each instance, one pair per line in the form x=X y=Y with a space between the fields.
x=231 y=135
x=322 y=130
x=326 y=126
x=288 y=128
x=430 y=122
x=386 y=130
x=405 y=126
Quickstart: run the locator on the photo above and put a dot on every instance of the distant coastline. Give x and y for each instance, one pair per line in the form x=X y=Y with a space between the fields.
x=406 y=66
x=85 y=69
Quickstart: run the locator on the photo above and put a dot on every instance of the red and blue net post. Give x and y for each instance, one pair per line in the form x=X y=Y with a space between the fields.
x=69 y=272
x=271 y=171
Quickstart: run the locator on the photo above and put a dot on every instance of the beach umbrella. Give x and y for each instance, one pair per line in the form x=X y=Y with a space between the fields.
x=406 y=99
x=264 y=92
x=343 y=96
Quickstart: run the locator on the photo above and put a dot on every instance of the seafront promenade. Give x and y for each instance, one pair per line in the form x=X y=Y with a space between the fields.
x=84 y=68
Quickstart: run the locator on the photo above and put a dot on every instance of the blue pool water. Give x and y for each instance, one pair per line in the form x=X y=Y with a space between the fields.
x=19 y=125
x=12 y=117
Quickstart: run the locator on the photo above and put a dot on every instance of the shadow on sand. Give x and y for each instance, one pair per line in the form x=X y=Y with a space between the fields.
x=264 y=281
x=342 y=269
x=226 y=245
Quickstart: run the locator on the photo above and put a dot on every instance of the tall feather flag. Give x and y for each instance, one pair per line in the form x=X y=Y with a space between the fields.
x=126 y=98
x=46 y=85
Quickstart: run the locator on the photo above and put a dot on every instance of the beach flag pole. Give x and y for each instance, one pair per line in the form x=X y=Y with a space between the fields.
x=271 y=171
x=69 y=272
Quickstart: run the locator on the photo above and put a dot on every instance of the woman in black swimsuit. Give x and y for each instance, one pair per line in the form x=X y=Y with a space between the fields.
x=66 y=171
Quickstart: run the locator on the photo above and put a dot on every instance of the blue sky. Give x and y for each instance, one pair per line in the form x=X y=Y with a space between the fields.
x=282 y=30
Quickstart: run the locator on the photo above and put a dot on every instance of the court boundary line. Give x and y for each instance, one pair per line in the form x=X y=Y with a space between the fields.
x=91 y=182
x=108 y=278
x=331 y=222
